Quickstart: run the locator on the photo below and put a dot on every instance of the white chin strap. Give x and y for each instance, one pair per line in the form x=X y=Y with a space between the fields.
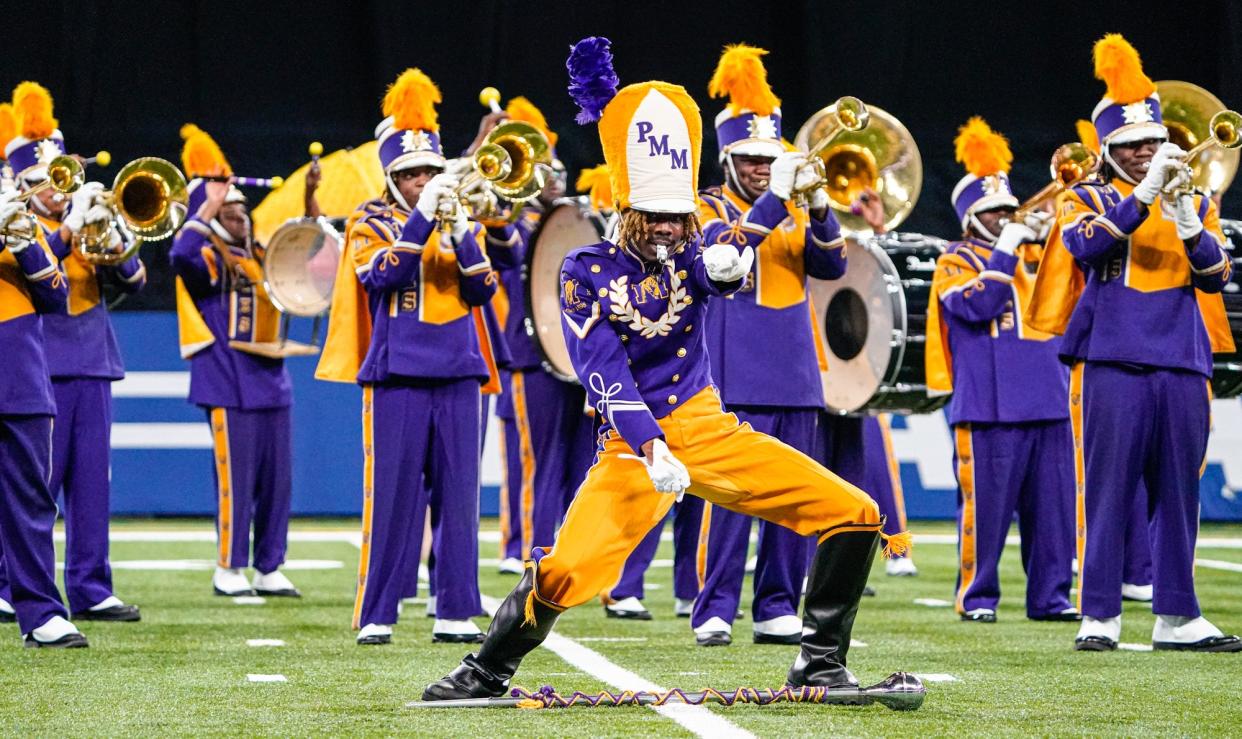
x=225 y=236
x=731 y=176
x=395 y=192
x=1108 y=157
x=981 y=232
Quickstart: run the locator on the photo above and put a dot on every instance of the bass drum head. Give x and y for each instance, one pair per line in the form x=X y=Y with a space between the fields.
x=299 y=267
x=861 y=320
x=1227 y=368
x=565 y=227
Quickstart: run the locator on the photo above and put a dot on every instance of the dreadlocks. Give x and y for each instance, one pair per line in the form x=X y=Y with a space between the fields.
x=633 y=228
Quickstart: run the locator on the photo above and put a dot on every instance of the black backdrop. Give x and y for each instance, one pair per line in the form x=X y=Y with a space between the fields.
x=265 y=78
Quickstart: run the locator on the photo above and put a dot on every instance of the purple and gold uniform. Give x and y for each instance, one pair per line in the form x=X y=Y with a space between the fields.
x=31 y=283
x=756 y=335
x=1140 y=316
x=635 y=333
x=84 y=361
x=1009 y=411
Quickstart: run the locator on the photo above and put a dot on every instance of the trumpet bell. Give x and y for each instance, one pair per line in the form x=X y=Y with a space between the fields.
x=881 y=155
x=66 y=174
x=510 y=160
x=147 y=191
x=1072 y=163
x=1192 y=116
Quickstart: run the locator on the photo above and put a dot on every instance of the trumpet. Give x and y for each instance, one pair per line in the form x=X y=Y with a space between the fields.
x=1223 y=131
x=65 y=175
x=148 y=197
x=510 y=164
x=852 y=174
x=1071 y=164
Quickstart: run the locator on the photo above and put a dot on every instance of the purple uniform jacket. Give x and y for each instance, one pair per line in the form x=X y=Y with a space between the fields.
x=507 y=248
x=760 y=339
x=220 y=376
x=635 y=333
x=1003 y=371
x=31 y=283
x=81 y=342
x=420 y=293
x=1139 y=304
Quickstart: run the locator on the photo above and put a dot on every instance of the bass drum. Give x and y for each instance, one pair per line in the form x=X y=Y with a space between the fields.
x=299 y=266
x=873 y=324
x=568 y=225
x=1227 y=368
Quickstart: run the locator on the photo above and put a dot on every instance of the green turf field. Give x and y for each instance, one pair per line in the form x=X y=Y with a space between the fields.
x=183 y=670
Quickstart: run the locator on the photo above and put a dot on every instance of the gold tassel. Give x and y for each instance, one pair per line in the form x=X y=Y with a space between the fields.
x=897 y=544
x=530 y=703
x=529 y=610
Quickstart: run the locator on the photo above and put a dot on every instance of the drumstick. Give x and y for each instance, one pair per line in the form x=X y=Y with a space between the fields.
x=489 y=97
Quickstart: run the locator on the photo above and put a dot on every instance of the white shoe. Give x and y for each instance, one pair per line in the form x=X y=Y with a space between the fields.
x=275 y=584
x=375 y=634
x=446 y=631
x=431 y=606
x=6 y=611
x=901 y=567
x=779 y=630
x=683 y=607
x=1098 y=634
x=230 y=581
x=631 y=608
x=1183 y=630
x=982 y=615
x=751 y=564
x=511 y=566
x=1140 y=593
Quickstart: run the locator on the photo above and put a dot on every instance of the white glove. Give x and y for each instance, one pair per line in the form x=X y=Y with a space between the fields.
x=98 y=213
x=438 y=188
x=1167 y=162
x=819 y=199
x=18 y=234
x=1187 y=218
x=1039 y=222
x=784 y=173
x=1014 y=235
x=82 y=202
x=667 y=473
x=461 y=226
x=725 y=264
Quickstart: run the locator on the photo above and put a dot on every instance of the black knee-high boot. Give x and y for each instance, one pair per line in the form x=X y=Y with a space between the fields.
x=834 y=587
x=514 y=632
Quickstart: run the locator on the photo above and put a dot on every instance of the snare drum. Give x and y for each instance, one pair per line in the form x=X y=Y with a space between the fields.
x=873 y=324
x=299 y=266
x=1227 y=368
x=568 y=225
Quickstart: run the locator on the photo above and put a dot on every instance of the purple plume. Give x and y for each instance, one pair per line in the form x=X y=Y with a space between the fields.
x=592 y=80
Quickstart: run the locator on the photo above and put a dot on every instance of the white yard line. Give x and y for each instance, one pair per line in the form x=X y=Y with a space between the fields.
x=266 y=678
x=265 y=642
x=932 y=602
x=1217 y=564
x=935 y=677
x=202 y=565
x=250 y=600
x=1134 y=647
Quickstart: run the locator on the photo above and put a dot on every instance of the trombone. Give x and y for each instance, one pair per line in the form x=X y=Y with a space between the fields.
x=1223 y=132
x=510 y=164
x=65 y=175
x=1071 y=164
x=148 y=197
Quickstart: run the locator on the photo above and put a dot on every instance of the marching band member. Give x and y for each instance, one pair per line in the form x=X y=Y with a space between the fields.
x=1013 y=447
x=220 y=299
x=1140 y=342
x=547 y=436
x=84 y=360
x=425 y=361
x=31 y=283
x=634 y=310
x=761 y=332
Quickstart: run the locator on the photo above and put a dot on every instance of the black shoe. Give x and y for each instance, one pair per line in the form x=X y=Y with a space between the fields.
x=713 y=639
x=777 y=638
x=68 y=641
x=286 y=593
x=868 y=592
x=982 y=618
x=457 y=638
x=124 y=612
x=375 y=639
x=238 y=594
x=1094 y=644
x=1066 y=616
x=8 y=617
x=835 y=584
x=643 y=615
x=510 y=637
x=1226 y=643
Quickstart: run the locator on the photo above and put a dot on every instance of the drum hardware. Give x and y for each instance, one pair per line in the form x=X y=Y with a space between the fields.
x=1227 y=368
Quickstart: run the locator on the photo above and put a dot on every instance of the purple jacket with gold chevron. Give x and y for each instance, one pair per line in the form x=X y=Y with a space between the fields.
x=1139 y=304
x=507 y=247
x=31 y=283
x=760 y=339
x=81 y=342
x=1003 y=371
x=234 y=307
x=420 y=293
x=635 y=333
